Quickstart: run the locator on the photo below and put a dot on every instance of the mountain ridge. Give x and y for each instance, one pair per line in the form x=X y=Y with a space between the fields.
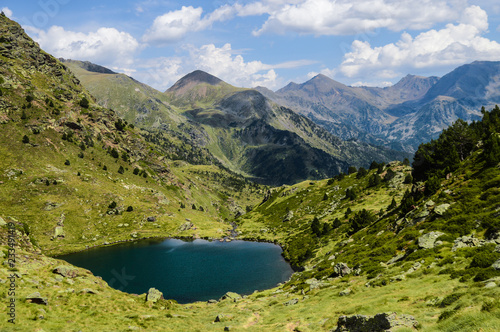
x=208 y=111
x=393 y=116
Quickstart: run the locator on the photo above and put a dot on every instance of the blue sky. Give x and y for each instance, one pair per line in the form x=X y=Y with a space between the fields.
x=267 y=42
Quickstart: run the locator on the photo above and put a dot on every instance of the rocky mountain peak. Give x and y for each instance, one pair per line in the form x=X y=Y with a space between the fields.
x=192 y=79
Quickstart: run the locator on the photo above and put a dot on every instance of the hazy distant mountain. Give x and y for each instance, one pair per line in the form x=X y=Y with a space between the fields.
x=350 y=112
x=402 y=116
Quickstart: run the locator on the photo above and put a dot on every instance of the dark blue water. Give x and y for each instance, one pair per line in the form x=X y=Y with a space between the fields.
x=185 y=271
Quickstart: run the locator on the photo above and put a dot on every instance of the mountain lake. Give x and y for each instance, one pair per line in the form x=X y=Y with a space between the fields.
x=186 y=271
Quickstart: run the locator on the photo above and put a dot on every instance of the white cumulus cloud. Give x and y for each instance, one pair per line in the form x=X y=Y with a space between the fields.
x=174 y=25
x=7 y=12
x=343 y=17
x=106 y=46
x=223 y=62
x=454 y=44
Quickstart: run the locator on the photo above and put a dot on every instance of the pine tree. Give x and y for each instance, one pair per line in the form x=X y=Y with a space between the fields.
x=374 y=180
x=360 y=220
x=362 y=172
x=407 y=202
x=114 y=153
x=492 y=150
x=316 y=227
x=84 y=103
x=373 y=165
x=336 y=223
x=393 y=205
x=432 y=186
x=26 y=139
x=347 y=212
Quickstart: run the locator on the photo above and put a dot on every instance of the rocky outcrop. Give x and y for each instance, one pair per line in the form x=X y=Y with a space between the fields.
x=341 y=269
x=66 y=271
x=59 y=232
x=291 y=302
x=231 y=296
x=154 y=295
x=378 y=323
x=468 y=241
x=315 y=283
x=37 y=298
x=345 y=292
x=186 y=226
x=441 y=209
x=428 y=241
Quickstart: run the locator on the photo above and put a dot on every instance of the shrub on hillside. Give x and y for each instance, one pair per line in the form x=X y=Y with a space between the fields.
x=84 y=103
x=360 y=220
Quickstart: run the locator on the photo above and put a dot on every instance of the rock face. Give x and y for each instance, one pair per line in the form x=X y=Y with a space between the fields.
x=496 y=265
x=428 y=241
x=154 y=295
x=378 y=323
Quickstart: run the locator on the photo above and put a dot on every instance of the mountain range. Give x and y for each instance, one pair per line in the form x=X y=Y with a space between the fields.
x=402 y=116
